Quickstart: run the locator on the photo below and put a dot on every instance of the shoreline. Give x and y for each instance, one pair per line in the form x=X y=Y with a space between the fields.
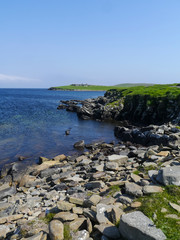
x=71 y=190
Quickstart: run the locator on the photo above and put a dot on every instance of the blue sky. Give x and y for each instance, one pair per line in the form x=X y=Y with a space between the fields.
x=47 y=43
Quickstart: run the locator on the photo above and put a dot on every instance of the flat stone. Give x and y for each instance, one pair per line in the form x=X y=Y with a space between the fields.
x=137 y=224
x=3 y=231
x=120 y=159
x=38 y=236
x=99 y=168
x=98 y=175
x=102 y=212
x=133 y=189
x=136 y=204
x=112 y=166
x=78 y=201
x=135 y=178
x=175 y=206
x=163 y=153
x=148 y=189
x=65 y=216
x=7 y=192
x=94 y=184
x=60 y=157
x=125 y=199
x=10 y=218
x=116 y=213
x=77 y=224
x=169 y=176
x=56 y=230
x=77 y=210
x=173 y=216
x=81 y=235
x=109 y=231
x=94 y=199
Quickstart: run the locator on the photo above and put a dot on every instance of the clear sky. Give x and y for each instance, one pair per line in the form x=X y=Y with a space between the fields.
x=46 y=43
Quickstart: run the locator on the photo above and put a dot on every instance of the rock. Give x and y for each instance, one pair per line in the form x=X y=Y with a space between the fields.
x=94 y=199
x=120 y=159
x=7 y=192
x=3 y=231
x=135 y=178
x=43 y=159
x=137 y=224
x=136 y=204
x=75 y=200
x=169 y=176
x=133 y=189
x=59 y=158
x=175 y=206
x=65 y=216
x=65 y=206
x=77 y=224
x=116 y=214
x=148 y=189
x=173 y=216
x=79 y=144
x=109 y=231
x=94 y=184
x=56 y=230
x=27 y=181
x=38 y=236
x=103 y=211
x=77 y=210
x=112 y=166
x=81 y=235
x=10 y=218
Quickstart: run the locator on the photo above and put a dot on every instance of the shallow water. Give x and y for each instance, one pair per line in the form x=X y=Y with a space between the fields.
x=31 y=125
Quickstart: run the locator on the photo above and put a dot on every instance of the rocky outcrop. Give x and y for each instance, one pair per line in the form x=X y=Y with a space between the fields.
x=142 y=109
x=167 y=135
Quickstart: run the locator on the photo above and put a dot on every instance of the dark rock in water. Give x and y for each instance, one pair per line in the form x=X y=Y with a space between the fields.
x=79 y=144
x=7 y=192
x=67 y=132
x=21 y=158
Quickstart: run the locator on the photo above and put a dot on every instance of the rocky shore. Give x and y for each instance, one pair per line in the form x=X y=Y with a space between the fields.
x=95 y=195
x=137 y=109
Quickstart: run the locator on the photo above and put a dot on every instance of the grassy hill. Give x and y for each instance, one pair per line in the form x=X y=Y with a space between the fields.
x=86 y=87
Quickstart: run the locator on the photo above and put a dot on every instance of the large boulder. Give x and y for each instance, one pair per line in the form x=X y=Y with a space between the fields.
x=169 y=176
x=136 y=225
x=56 y=230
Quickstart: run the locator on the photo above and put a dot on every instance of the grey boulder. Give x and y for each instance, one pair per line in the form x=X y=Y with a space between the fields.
x=169 y=176
x=136 y=225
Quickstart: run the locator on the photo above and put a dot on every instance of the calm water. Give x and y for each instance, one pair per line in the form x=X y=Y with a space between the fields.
x=31 y=125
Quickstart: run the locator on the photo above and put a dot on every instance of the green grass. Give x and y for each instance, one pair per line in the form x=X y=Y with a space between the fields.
x=48 y=217
x=159 y=90
x=155 y=202
x=113 y=189
x=84 y=88
x=67 y=232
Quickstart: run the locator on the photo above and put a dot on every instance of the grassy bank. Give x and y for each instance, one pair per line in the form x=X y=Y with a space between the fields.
x=85 y=87
x=158 y=90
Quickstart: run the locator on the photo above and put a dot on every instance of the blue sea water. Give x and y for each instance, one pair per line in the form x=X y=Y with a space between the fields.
x=31 y=125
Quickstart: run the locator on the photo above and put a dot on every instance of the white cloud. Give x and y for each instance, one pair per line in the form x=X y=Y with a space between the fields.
x=10 y=78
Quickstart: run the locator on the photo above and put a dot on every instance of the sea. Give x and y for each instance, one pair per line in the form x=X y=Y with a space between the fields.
x=31 y=126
